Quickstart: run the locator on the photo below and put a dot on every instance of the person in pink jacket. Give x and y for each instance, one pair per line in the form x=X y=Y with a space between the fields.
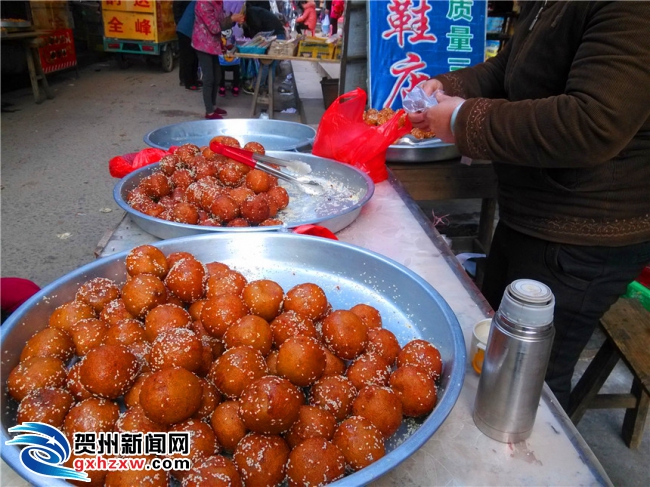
x=206 y=39
x=308 y=18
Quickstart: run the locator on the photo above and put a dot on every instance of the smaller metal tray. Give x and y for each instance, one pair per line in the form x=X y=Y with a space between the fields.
x=346 y=191
x=428 y=150
x=272 y=134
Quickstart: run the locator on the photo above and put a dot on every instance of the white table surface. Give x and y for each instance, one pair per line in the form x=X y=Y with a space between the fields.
x=458 y=453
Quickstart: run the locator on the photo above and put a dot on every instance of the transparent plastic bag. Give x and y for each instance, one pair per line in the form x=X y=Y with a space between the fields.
x=417 y=100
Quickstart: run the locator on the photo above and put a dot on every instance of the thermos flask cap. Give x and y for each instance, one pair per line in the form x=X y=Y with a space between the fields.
x=529 y=303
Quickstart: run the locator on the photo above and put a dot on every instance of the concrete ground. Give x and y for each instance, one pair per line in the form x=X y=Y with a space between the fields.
x=57 y=198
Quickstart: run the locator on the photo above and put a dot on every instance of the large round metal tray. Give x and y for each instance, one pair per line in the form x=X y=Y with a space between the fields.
x=272 y=134
x=429 y=150
x=347 y=190
x=409 y=306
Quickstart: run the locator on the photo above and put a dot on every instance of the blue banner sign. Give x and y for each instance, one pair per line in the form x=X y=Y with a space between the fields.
x=413 y=40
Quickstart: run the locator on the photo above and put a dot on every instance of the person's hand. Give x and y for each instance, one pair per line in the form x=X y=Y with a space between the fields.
x=431 y=85
x=418 y=119
x=238 y=18
x=438 y=117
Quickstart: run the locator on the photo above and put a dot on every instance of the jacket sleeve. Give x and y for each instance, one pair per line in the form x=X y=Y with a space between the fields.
x=211 y=13
x=604 y=104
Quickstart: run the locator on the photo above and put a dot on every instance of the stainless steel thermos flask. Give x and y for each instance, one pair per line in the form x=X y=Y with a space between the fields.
x=516 y=358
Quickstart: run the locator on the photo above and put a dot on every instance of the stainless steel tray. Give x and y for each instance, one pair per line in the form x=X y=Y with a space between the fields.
x=272 y=134
x=430 y=150
x=409 y=306
x=347 y=190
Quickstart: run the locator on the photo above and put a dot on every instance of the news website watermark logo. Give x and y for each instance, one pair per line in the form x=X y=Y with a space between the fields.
x=45 y=451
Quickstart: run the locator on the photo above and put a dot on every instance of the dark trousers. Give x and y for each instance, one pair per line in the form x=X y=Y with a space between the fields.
x=234 y=68
x=211 y=69
x=188 y=63
x=586 y=281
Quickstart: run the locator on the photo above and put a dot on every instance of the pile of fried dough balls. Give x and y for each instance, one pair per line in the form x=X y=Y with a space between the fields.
x=271 y=384
x=195 y=186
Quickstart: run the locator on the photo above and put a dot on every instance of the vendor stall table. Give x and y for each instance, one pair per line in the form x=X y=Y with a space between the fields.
x=458 y=453
x=267 y=59
x=29 y=41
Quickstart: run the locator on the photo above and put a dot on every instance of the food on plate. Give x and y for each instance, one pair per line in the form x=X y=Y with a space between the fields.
x=301 y=392
x=45 y=405
x=171 y=395
x=360 y=442
x=198 y=187
x=315 y=462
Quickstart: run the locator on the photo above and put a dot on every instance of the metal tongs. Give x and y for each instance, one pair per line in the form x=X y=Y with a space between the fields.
x=261 y=162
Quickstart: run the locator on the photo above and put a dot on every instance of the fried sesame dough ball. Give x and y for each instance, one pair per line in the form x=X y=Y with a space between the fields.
x=334 y=394
x=114 y=312
x=35 y=373
x=360 y=442
x=228 y=425
x=383 y=342
x=131 y=478
x=203 y=443
x=264 y=298
x=74 y=385
x=252 y=331
x=205 y=170
x=45 y=405
x=315 y=462
x=421 y=354
x=369 y=369
x=49 y=342
x=220 y=312
x=182 y=178
x=147 y=259
x=217 y=268
x=98 y=292
x=255 y=209
x=236 y=369
x=238 y=222
x=333 y=364
x=231 y=282
x=258 y=181
x=240 y=193
x=156 y=185
x=135 y=420
x=225 y=140
x=125 y=332
x=270 y=405
x=94 y=414
x=381 y=406
x=289 y=324
x=216 y=345
x=301 y=360
x=261 y=459
x=109 y=371
x=96 y=477
x=142 y=293
x=312 y=422
x=88 y=334
x=168 y=164
x=308 y=299
x=415 y=388
x=179 y=347
x=230 y=174
x=195 y=309
x=171 y=395
x=279 y=196
x=186 y=279
x=186 y=152
x=215 y=471
x=255 y=147
x=210 y=399
x=141 y=349
x=344 y=334
x=165 y=317
x=185 y=213
x=69 y=313
x=368 y=314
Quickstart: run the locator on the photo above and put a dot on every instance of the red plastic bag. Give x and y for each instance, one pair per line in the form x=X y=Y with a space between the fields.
x=344 y=136
x=120 y=166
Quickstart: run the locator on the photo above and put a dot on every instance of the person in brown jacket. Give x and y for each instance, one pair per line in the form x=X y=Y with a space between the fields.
x=563 y=111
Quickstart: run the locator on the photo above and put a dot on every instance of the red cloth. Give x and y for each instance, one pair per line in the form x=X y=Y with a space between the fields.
x=120 y=166
x=14 y=291
x=315 y=230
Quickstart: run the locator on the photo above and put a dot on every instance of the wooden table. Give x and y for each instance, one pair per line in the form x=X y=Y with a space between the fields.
x=30 y=42
x=268 y=60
